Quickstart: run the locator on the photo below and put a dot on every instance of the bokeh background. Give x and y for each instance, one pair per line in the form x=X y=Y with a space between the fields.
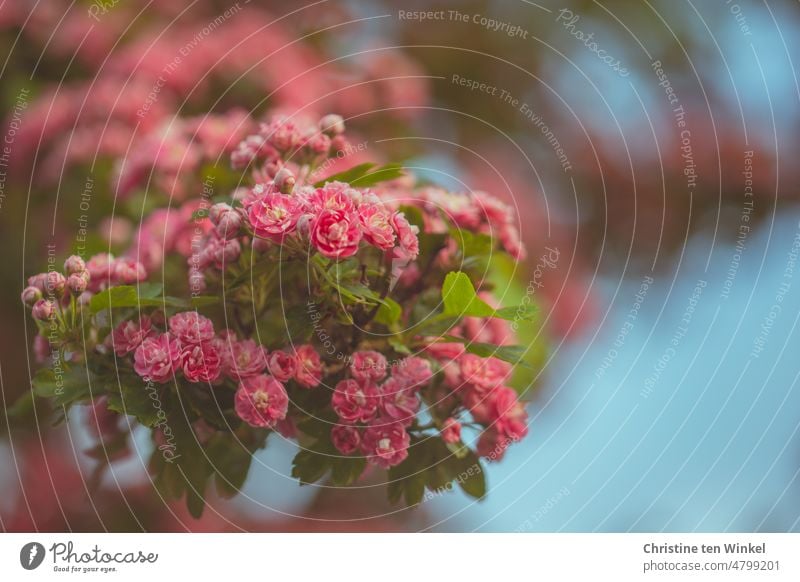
x=651 y=146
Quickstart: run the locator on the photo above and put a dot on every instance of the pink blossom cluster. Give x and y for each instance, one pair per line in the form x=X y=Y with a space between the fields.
x=475 y=211
x=374 y=410
x=190 y=346
x=47 y=292
x=479 y=384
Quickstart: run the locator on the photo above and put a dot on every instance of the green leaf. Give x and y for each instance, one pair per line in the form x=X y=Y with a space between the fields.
x=66 y=384
x=460 y=298
x=512 y=354
x=363 y=175
x=473 y=245
x=230 y=461
x=130 y=396
x=471 y=476
x=309 y=466
x=346 y=470
x=147 y=295
x=382 y=174
x=389 y=312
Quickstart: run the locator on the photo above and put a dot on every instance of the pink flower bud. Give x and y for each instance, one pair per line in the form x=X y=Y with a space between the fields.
x=332 y=124
x=55 y=283
x=30 y=295
x=284 y=180
x=74 y=264
x=216 y=212
x=229 y=224
x=77 y=284
x=43 y=309
x=39 y=281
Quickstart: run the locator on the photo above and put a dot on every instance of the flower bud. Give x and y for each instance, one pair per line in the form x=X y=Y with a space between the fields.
x=55 y=283
x=332 y=124
x=43 y=309
x=76 y=284
x=284 y=180
x=320 y=144
x=30 y=295
x=74 y=264
x=217 y=211
x=39 y=281
x=229 y=224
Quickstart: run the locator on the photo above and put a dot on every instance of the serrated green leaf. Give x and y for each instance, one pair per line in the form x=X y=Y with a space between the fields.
x=460 y=298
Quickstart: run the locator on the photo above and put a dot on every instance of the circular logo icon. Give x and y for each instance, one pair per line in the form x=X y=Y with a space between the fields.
x=31 y=555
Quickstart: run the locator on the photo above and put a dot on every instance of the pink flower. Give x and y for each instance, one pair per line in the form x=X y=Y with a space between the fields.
x=77 y=283
x=190 y=327
x=355 y=402
x=332 y=196
x=414 y=372
x=127 y=271
x=225 y=219
x=74 y=264
x=202 y=362
x=309 y=366
x=261 y=401
x=39 y=281
x=218 y=252
x=55 y=283
x=158 y=358
x=399 y=402
x=345 y=438
x=507 y=413
x=274 y=215
x=407 y=235
x=43 y=309
x=282 y=365
x=451 y=431
x=376 y=226
x=129 y=335
x=386 y=445
x=368 y=365
x=30 y=295
x=336 y=233
x=243 y=358
x=484 y=373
